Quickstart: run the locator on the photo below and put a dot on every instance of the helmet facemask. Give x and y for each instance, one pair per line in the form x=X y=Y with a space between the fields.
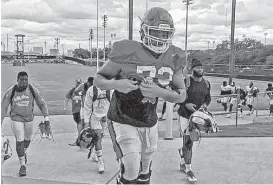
x=156 y=44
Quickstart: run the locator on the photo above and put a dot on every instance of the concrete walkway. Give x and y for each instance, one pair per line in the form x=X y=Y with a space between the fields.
x=216 y=160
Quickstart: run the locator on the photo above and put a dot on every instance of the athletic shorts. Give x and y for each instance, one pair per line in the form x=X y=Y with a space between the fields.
x=128 y=139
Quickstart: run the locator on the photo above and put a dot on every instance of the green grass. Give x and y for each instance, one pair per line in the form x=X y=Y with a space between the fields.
x=54 y=80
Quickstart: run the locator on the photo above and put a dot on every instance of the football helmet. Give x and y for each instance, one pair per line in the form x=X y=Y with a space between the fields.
x=202 y=121
x=157 y=19
x=87 y=140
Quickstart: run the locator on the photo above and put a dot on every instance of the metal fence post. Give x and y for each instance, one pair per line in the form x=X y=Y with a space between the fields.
x=169 y=121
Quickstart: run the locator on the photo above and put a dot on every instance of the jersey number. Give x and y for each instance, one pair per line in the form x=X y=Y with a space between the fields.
x=152 y=71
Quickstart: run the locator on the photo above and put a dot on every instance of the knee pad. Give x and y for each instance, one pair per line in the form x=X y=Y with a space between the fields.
x=121 y=180
x=20 y=148
x=130 y=165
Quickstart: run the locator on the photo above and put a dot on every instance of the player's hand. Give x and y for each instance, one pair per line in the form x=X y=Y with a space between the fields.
x=149 y=89
x=191 y=107
x=204 y=106
x=126 y=85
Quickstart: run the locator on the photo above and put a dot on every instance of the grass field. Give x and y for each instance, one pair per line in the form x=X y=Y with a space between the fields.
x=54 y=80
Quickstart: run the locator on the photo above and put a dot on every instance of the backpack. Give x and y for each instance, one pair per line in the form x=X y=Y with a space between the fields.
x=15 y=87
x=95 y=95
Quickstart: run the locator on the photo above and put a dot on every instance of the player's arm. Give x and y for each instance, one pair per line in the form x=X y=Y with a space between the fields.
x=78 y=91
x=66 y=100
x=5 y=104
x=41 y=103
x=105 y=78
x=88 y=108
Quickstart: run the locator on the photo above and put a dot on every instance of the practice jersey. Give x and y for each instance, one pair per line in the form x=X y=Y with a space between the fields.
x=137 y=63
x=226 y=89
x=250 y=90
x=22 y=105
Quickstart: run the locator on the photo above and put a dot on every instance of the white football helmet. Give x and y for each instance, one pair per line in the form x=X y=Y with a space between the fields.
x=157 y=19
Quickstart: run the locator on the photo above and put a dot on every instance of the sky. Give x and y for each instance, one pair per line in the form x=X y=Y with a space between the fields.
x=70 y=20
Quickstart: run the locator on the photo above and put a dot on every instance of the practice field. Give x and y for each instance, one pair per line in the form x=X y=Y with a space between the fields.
x=54 y=81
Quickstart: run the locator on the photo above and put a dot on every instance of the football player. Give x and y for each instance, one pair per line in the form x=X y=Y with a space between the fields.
x=252 y=92
x=139 y=73
x=225 y=89
x=21 y=99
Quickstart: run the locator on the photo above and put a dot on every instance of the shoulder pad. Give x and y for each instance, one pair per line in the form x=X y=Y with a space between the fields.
x=121 y=50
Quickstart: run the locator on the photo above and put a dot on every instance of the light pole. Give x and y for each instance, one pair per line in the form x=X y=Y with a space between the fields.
x=131 y=2
x=187 y=2
x=213 y=43
x=104 y=24
x=90 y=39
x=232 y=56
x=208 y=44
x=265 y=34
x=97 y=35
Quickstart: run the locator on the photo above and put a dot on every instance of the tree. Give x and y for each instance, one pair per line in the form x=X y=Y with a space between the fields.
x=81 y=53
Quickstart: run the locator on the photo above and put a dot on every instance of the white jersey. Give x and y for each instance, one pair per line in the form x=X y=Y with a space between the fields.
x=233 y=89
x=250 y=90
x=225 y=89
x=99 y=108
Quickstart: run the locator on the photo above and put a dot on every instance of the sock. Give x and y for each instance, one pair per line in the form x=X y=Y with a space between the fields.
x=99 y=154
x=230 y=108
x=22 y=160
x=182 y=160
x=188 y=167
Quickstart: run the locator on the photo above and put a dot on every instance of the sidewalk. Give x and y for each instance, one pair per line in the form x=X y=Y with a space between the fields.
x=217 y=161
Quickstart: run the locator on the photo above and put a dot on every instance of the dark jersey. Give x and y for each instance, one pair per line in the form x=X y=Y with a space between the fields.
x=137 y=63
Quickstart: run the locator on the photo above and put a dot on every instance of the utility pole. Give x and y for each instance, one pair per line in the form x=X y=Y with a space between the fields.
x=90 y=39
x=131 y=3
x=208 y=44
x=104 y=24
x=232 y=58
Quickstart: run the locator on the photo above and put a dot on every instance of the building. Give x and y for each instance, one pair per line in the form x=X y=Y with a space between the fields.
x=38 y=50
x=54 y=52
